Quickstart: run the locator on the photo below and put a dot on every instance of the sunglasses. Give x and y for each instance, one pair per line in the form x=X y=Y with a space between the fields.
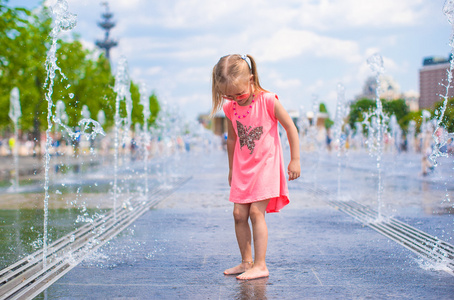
x=239 y=97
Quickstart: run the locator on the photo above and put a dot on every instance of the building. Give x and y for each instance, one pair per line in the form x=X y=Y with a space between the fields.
x=219 y=124
x=412 y=100
x=389 y=88
x=432 y=77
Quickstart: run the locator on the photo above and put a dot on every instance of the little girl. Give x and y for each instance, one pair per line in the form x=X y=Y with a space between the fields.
x=256 y=166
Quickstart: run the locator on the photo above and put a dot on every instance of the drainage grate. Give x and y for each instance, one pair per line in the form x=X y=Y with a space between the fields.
x=420 y=242
x=28 y=277
x=431 y=248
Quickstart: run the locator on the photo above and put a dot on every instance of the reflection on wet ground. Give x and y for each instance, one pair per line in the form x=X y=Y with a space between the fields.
x=424 y=202
x=252 y=289
x=403 y=184
x=22 y=229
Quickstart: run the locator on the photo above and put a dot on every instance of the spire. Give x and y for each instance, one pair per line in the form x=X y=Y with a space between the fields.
x=107 y=24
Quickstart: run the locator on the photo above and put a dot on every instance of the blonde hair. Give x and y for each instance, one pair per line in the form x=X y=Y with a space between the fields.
x=231 y=70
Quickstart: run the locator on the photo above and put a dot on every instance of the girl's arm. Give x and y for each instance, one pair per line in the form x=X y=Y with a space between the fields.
x=294 y=168
x=231 y=142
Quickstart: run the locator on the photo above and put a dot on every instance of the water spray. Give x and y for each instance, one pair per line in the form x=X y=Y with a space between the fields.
x=15 y=113
x=63 y=21
x=376 y=122
x=440 y=134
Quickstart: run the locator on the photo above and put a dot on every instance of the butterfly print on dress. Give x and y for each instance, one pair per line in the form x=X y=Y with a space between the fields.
x=248 y=136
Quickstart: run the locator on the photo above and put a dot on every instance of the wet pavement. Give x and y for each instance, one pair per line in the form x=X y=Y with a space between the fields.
x=180 y=249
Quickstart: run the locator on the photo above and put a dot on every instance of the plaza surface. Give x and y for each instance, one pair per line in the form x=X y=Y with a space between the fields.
x=180 y=248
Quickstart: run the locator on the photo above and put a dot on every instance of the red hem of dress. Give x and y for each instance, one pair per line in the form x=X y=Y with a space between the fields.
x=285 y=200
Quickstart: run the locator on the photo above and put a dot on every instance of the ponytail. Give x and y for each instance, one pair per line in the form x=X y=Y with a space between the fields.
x=256 y=81
x=216 y=99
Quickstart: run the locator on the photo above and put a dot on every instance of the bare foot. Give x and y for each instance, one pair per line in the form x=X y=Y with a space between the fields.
x=241 y=268
x=254 y=273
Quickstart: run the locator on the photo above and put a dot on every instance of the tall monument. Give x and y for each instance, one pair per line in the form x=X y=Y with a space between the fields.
x=107 y=24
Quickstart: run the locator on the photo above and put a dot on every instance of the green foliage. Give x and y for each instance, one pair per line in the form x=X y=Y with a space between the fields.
x=87 y=82
x=24 y=40
x=415 y=116
x=328 y=123
x=398 y=108
x=448 y=118
x=154 y=108
x=322 y=108
x=393 y=107
x=357 y=110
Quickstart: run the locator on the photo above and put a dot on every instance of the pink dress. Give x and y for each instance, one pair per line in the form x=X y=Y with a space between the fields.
x=258 y=163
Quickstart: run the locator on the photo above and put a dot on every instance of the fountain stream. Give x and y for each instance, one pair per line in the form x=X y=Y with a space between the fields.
x=378 y=127
x=63 y=21
x=411 y=147
x=122 y=86
x=101 y=116
x=440 y=134
x=15 y=113
x=60 y=114
x=145 y=102
x=85 y=112
x=338 y=122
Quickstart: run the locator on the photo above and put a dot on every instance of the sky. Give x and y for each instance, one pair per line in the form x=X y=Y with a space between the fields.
x=303 y=48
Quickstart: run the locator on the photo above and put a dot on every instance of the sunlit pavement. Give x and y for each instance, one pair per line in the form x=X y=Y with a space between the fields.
x=180 y=249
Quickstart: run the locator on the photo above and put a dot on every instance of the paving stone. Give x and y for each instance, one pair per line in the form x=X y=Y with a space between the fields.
x=180 y=249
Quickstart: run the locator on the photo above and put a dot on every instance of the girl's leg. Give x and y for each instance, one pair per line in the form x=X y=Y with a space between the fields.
x=243 y=236
x=260 y=232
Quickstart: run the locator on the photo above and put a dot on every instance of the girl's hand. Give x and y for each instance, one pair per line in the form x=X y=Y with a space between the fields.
x=230 y=178
x=294 y=169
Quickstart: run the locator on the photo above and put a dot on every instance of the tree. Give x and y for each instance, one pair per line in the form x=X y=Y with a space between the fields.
x=412 y=116
x=154 y=108
x=357 y=110
x=398 y=108
x=88 y=83
x=448 y=117
x=24 y=40
x=328 y=122
x=393 y=107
